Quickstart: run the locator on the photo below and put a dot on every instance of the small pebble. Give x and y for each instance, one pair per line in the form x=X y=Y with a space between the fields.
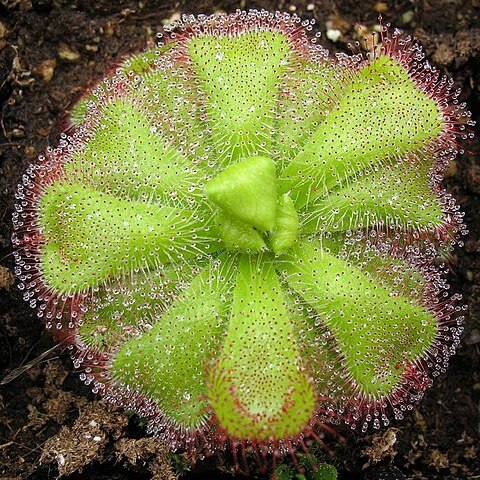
x=333 y=34
x=310 y=7
x=67 y=53
x=30 y=151
x=6 y=278
x=44 y=131
x=149 y=31
x=337 y=22
x=173 y=18
x=46 y=69
x=451 y=170
x=110 y=28
x=127 y=12
x=18 y=133
x=3 y=34
x=60 y=459
x=407 y=17
x=381 y=7
x=3 y=31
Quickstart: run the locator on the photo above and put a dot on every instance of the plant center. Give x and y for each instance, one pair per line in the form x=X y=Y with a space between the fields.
x=251 y=216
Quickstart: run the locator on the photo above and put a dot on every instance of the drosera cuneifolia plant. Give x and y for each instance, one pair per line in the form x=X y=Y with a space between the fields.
x=239 y=237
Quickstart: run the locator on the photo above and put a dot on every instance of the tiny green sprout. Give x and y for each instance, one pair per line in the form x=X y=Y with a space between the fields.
x=325 y=471
x=240 y=235
x=284 y=472
x=312 y=471
x=317 y=471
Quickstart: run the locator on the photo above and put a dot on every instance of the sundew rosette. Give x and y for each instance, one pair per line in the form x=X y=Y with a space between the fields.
x=240 y=235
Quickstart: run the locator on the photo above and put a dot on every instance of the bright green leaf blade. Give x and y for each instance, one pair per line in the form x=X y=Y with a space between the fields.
x=128 y=158
x=92 y=236
x=397 y=196
x=169 y=362
x=379 y=334
x=318 y=349
x=240 y=76
x=393 y=273
x=381 y=115
x=259 y=389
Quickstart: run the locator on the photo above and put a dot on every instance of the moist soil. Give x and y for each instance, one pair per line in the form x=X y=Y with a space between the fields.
x=51 y=425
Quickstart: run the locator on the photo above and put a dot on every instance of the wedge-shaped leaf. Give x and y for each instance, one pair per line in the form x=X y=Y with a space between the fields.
x=172 y=99
x=128 y=158
x=91 y=236
x=392 y=271
x=241 y=77
x=396 y=195
x=259 y=388
x=379 y=333
x=381 y=115
x=169 y=362
x=319 y=352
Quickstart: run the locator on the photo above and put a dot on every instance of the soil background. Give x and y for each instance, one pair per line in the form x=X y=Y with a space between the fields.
x=50 y=423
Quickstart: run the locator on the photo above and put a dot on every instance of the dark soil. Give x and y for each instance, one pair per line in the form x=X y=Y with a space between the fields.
x=50 y=52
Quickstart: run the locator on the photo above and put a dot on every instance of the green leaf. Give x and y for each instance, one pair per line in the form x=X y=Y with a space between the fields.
x=308 y=93
x=283 y=472
x=379 y=334
x=325 y=472
x=247 y=191
x=91 y=236
x=168 y=363
x=238 y=236
x=396 y=196
x=381 y=115
x=259 y=388
x=240 y=76
x=123 y=309
x=127 y=157
x=137 y=64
